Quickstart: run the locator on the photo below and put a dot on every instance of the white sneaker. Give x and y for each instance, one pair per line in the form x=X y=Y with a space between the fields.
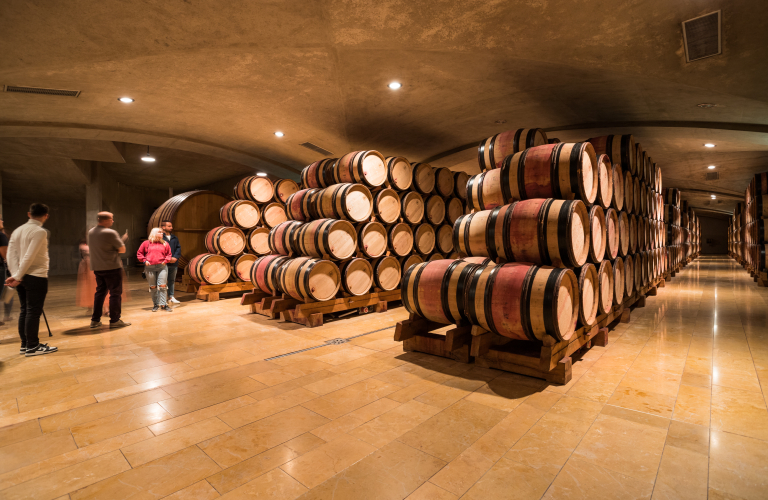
x=173 y=300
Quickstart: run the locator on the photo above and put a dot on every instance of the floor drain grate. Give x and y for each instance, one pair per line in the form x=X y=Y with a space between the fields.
x=329 y=342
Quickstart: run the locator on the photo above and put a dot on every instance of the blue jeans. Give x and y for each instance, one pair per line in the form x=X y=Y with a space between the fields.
x=157 y=277
x=172 y=270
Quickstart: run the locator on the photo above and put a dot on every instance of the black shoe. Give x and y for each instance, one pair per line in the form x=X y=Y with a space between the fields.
x=23 y=350
x=154 y=309
x=40 y=350
x=167 y=309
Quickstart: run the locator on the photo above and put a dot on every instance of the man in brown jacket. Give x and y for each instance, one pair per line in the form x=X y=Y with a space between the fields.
x=105 y=247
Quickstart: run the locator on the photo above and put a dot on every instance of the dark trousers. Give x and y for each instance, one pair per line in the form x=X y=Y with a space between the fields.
x=108 y=282
x=32 y=292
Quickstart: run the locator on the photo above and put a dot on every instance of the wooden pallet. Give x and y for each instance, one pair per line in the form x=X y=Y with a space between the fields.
x=210 y=293
x=447 y=341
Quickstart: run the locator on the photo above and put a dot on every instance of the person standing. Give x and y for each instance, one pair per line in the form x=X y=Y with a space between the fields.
x=173 y=264
x=28 y=263
x=4 y=272
x=105 y=247
x=155 y=253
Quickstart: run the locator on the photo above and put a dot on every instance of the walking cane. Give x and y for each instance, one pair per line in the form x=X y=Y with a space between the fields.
x=46 y=324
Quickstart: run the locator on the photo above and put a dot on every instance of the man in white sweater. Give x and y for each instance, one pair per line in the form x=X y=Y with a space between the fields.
x=28 y=265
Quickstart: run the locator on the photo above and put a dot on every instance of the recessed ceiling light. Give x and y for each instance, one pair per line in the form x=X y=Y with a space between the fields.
x=711 y=167
x=395 y=85
x=709 y=145
x=125 y=99
x=261 y=174
x=279 y=134
x=714 y=197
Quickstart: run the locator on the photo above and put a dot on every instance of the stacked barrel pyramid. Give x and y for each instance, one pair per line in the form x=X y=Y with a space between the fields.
x=558 y=233
x=747 y=233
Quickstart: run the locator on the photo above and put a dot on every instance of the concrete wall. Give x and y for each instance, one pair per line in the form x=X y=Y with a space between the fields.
x=714 y=236
x=67 y=225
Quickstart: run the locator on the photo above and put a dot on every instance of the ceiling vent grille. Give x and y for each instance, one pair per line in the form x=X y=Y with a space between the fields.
x=702 y=37
x=36 y=90
x=316 y=148
x=713 y=176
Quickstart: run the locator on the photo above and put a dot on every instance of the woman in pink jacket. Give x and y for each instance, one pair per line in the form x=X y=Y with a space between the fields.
x=155 y=254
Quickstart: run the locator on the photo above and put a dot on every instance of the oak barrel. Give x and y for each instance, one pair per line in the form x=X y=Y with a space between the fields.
x=444 y=182
x=672 y=197
x=605 y=278
x=372 y=239
x=423 y=177
x=618 y=280
x=436 y=256
x=254 y=188
x=434 y=209
x=273 y=214
x=541 y=231
x=424 y=238
x=241 y=266
x=612 y=238
x=400 y=239
x=619 y=148
x=460 y=184
x=352 y=202
x=192 y=213
x=386 y=273
x=411 y=207
x=492 y=151
x=408 y=261
x=624 y=233
x=386 y=205
x=315 y=174
x=637 y=196
x=617 y=200
x=597 y=234
x=454 y=208
x=363 y=167
x=225 y=241
x=326 y=238
x=257 y=241
x=633 y=234
x=308 y=279
x=437 y=290
x=629 y=275
x=244 y=214
x=284 y=188
x=629 y=193
x=399 y=173
x=563 y=171
x=523 y=301
x=282 y=237
x=300 y=205
x=589 y=294
x=264 y=273
x=604 y=181
x=444 y=239
x=209 y=269
x=356 y=276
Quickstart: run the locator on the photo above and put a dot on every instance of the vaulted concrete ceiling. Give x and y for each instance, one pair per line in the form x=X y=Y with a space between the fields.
x=219 y=78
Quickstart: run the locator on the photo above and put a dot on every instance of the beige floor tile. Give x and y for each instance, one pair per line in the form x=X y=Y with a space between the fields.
x=340 y=381
x=247 y=470
x=181 y=377
x=625 y=442
x=393 y=424
x=737 y=379
x=196 y=400
x=453 y=430
x=201 y=490
x=510 y=480
x=72 y=392
x=429 y=491
x=343 y=425
x=693 y=405
x=272 y=485
x=304 y=443
x=688 y=436
x=262 y=409
x=160 y=477
x=682 y=475
x=580 y=480
x=393 y=473
x=158 y=372
x=199 y=415
x=740 y=412
x=738 y=467
x=165 y=444
x=597 y=385
x=326 y=461
x=35 y=450
x=120 y=423
x=69 y=479
x=284 y=374
x=46 y=411
x=644 y=401
x=240 y=444
x=413 y=391
x=349 y=399
x=19 y=432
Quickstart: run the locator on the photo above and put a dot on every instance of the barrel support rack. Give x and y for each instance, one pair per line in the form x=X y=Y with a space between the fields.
x=210 y=293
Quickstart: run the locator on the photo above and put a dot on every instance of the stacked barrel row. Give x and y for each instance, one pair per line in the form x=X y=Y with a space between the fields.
x=682 y=228
x=748 y=233
x=234 y=246
x=367 y=215
x=558 y=231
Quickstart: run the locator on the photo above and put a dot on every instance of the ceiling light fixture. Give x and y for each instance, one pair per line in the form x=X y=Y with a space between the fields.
x=279 y=134
x=714 y=197
x=147 y=157
x=711 y=167
x=707 y=105
x=395 y=85
x=261 y=174
x=125 y=99
x=709 y=145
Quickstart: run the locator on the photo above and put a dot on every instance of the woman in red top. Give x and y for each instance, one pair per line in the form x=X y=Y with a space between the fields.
x=155 y=254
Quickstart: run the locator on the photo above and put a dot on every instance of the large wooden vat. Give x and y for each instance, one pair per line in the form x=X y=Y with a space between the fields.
x=193 y=214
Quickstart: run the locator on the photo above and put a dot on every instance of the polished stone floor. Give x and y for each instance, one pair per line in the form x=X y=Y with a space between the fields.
x=185 y=406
